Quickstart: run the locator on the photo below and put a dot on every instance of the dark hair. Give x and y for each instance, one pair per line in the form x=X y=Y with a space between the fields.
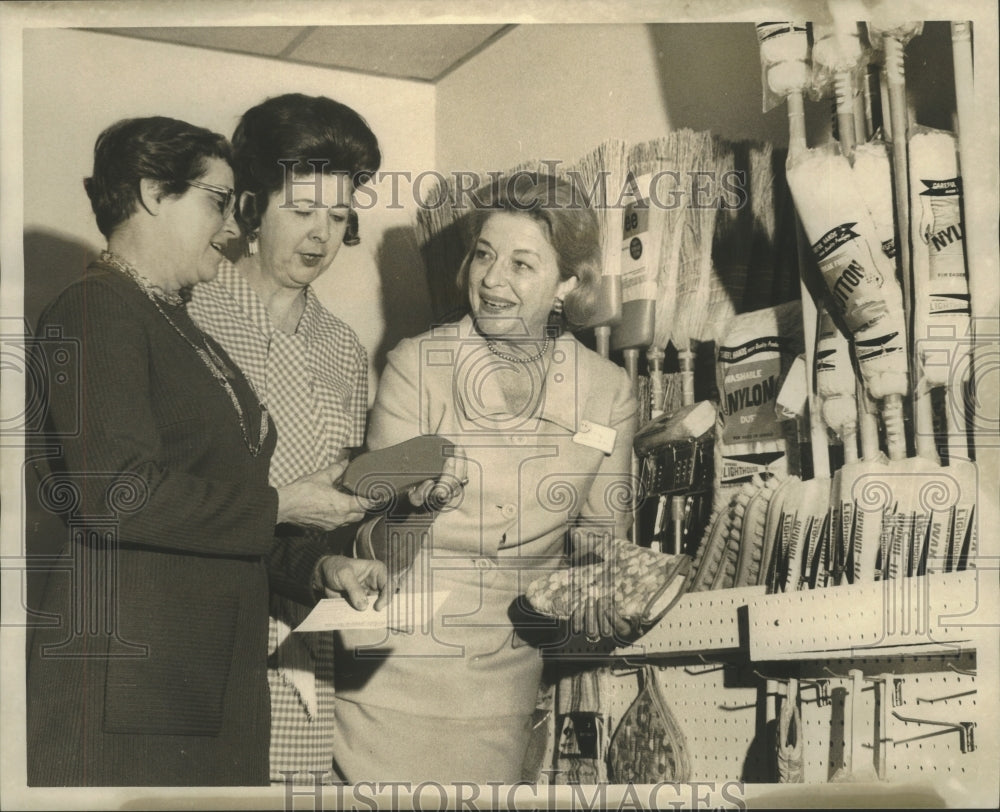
x=570 y=225
x=313 y=133
x=159 y=148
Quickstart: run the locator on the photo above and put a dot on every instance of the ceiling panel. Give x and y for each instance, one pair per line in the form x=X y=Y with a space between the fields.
x=410 y=51
x=263 y=41
x=421 y=52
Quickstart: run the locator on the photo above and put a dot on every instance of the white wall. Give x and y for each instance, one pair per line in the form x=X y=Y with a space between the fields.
x=77 y=82
x=555 y=91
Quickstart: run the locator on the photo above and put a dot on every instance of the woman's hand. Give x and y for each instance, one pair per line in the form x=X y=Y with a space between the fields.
x=316 y=501
x=599 y=617
x=440 y=493
x=355 y=578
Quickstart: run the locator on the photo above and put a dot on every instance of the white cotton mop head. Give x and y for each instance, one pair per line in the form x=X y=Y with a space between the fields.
x=873 y=176
x=860 y=278
x=835 y=382
x=942 y=315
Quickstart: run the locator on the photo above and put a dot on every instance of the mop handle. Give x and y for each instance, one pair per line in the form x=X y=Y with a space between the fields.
x=896 y=79
x=867 y=424
x=982 y=277
x=818 y=438
x=843 y=88
x=979 y=255
x=796 y=124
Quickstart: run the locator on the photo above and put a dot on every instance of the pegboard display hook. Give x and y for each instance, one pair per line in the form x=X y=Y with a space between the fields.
x=920 y=699
x=965 y=731
x=822 y=688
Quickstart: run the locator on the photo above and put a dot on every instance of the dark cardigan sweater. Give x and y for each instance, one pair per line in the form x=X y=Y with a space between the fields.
x=153 y=672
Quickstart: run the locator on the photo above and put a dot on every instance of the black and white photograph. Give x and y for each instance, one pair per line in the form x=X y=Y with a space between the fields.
x=499 y=405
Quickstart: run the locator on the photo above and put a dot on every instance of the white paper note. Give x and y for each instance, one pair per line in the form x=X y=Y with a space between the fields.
x=337 y=613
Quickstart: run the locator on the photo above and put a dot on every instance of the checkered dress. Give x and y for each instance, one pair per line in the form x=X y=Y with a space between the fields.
x=315 y=384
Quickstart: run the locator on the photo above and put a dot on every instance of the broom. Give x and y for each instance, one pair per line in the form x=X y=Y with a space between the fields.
x=439 y=228
x=604 y=169
x=641 y=237
x=694 y=280
x=674 y=155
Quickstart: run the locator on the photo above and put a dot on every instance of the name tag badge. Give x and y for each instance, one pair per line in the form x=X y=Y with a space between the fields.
x=596 y=436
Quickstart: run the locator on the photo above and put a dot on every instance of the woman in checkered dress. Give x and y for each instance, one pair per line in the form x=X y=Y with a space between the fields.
x=298 y=160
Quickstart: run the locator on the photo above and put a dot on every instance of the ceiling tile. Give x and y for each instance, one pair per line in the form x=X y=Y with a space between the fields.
x=262 y=40
x=407 y=51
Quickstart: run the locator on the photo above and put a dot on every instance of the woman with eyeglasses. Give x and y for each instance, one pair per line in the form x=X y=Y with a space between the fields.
x=149 y=667
x=298 y=161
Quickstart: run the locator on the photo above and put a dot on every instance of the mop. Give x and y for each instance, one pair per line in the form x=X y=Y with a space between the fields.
x=934 y=274
x=862 y=285
x=942 y=323
x=981 y=277
x=804 y=504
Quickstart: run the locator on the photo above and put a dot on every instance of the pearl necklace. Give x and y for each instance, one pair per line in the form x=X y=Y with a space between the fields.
x=517 y=359
x=208 y=356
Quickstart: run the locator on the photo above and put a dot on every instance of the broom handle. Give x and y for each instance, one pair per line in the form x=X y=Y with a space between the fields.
x=896 y=80
x=654 y=357
x=602 y=340
x=631 y=357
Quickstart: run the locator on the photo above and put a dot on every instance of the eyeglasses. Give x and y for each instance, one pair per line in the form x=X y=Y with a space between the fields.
x=228 y=196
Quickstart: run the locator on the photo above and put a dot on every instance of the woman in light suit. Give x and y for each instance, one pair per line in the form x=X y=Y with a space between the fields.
x=546 y=427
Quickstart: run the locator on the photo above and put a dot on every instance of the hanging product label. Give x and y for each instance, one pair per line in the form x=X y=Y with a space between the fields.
x=638 y=278
x=737 y=469
x=941 y=228
x=941 y=220
x=751 y=379
x=942 y=306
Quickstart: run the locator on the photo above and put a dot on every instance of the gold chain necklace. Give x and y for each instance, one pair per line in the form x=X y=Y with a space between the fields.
x=208 y=356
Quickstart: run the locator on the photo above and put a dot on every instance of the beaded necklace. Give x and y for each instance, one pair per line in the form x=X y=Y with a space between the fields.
x=517 y=359
x=208 y=356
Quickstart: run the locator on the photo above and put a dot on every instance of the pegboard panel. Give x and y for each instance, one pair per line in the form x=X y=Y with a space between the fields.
x=931 y=612
x=932 y=687
x=700 y=622
x=728 y=718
